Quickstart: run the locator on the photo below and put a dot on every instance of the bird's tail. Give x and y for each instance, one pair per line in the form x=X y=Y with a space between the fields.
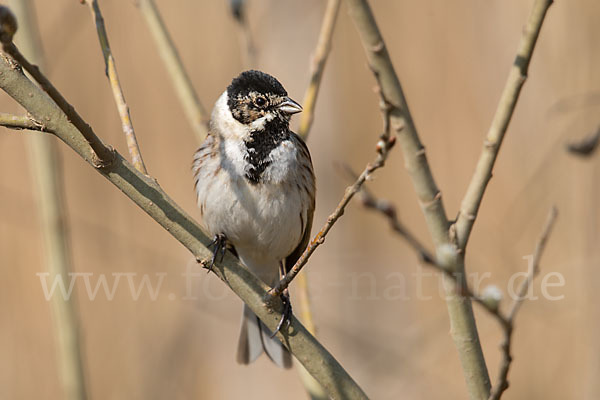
x=255 y=338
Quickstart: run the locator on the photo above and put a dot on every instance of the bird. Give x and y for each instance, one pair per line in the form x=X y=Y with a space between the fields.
x=255 y=189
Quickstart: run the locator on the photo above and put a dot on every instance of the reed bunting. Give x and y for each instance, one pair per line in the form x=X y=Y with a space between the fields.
x=256 y=191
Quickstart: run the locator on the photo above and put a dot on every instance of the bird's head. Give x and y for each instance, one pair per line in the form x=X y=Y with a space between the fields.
x=254 y=98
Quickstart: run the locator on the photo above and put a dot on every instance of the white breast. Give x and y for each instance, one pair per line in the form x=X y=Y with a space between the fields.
x=265 y=220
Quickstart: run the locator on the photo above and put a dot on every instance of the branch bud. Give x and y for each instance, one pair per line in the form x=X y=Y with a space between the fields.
x=491 y=296
x=447 y=256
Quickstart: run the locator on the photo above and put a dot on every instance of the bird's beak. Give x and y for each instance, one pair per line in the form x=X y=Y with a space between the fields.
x=289 y=106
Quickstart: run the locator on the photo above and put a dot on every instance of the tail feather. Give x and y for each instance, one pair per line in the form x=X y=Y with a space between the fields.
x=255 y=338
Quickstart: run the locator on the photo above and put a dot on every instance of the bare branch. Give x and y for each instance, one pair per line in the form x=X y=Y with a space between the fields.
x=506 y=106
x=388 y=210
x=318 y=66
x=413 y=151
x=507 y=322
x=149 y=196
x=113 y=78
x=195 y=112
x=319 y=59
x=18 y=122
x=383 y=147
x=539 y=249
x=462 y=322
x=103 y=155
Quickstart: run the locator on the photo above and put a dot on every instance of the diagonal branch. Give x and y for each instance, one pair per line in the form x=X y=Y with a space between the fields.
x=388 y=210
x=319 y=58
x=113 y=78
x=462 y=321
x=413 y=151
x=149 y=196
x=489 y=302
x=506 y=106
x=385 y=143
x=507 y=322
x=102 y=155
x=195 y=112
x=318 y=66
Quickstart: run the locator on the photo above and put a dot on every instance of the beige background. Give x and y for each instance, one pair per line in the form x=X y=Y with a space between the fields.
x=452 y=58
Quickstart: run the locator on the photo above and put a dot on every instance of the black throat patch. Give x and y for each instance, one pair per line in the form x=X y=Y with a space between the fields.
x=260 y=144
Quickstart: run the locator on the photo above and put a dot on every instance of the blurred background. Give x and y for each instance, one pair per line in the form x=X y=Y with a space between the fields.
x=377 y=310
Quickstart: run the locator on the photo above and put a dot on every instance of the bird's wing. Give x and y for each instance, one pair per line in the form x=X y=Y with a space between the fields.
x=293 y=257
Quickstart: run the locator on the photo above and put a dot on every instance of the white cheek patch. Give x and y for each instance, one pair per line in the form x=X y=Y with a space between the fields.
x=224 y=123
x=229 y=127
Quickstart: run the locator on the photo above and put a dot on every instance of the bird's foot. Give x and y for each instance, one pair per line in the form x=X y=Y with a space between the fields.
x=219 y=245
x=287 y=311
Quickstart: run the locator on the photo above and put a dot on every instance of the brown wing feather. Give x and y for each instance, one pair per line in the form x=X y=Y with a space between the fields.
x=293 y=257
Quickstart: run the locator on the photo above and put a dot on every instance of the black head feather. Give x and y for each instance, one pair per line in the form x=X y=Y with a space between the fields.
x=253 y=94
x=254 y=81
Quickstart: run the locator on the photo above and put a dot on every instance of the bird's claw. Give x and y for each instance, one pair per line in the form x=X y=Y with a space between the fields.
x=219 y=245
x=286 y=314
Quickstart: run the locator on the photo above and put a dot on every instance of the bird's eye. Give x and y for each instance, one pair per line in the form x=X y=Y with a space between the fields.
x=260 y=101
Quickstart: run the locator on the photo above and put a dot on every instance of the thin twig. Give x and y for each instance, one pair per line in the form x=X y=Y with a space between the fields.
x=388 y=210
x=506 y=106
x=149 y=196
x=103 y=155
x=113 y=78
x=385 y=143
x=318 y=66
x=19 y=122
x=507 y=322
x=463 y=328
x=401 y=119
x=319 y=58
x=195 y=112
